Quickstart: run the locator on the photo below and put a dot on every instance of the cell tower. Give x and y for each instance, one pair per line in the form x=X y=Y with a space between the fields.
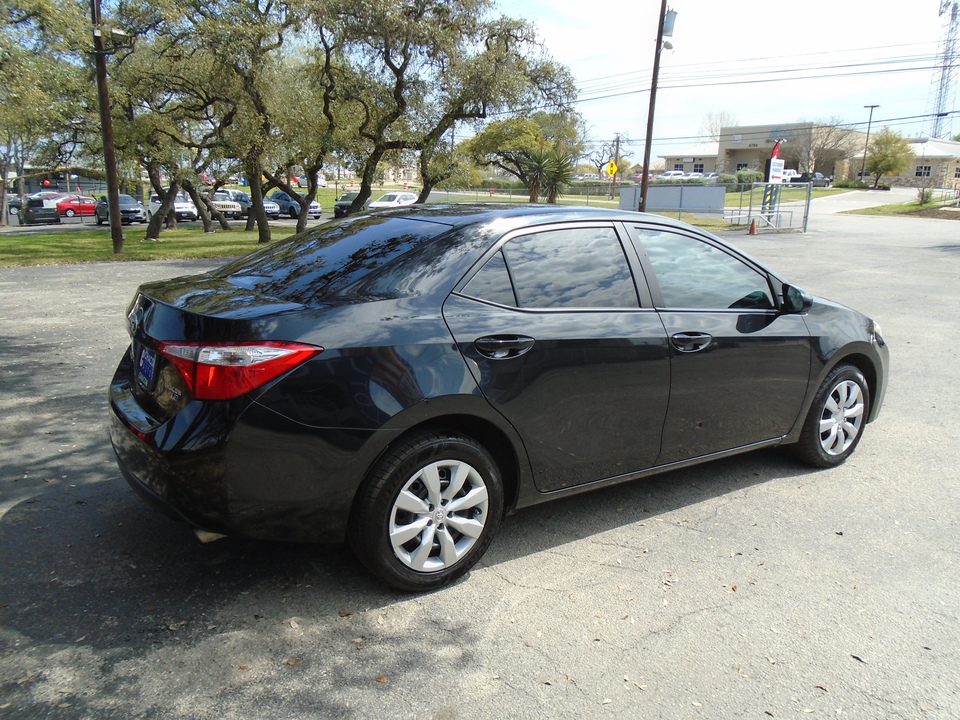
x=944 y=91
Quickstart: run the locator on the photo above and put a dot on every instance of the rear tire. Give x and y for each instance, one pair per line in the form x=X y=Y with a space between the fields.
x=837 y=417
x=427 y=512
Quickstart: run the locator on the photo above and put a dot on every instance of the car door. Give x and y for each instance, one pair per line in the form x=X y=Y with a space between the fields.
x=564 y=347
x=739 y=366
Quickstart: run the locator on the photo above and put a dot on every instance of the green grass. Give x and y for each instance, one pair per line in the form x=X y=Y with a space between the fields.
x=60 y=247
x=899 y=209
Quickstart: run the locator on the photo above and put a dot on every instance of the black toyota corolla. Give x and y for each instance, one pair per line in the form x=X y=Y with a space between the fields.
x=403 y=379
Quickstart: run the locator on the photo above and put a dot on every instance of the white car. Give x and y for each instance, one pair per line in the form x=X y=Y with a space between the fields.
x=183 y=207
x=321 y=181
x=395 y=199
x=671 y=175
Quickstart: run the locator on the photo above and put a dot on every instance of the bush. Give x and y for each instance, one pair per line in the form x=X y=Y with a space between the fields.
x=745 y=177
x=502 y=184
x=851 y=183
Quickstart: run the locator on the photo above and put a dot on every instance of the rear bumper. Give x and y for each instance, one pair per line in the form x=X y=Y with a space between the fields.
x=240 y=468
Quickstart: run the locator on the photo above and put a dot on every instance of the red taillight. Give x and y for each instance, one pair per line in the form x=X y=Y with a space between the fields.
x=220 y=371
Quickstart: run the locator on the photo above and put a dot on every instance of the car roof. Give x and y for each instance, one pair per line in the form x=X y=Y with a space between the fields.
x=521 y=214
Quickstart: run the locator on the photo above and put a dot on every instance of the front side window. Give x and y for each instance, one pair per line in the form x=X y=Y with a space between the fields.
x=558 y=269
x=697 y=275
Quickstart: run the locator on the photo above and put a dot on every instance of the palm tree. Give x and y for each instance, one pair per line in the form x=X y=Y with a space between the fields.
x=548 y=171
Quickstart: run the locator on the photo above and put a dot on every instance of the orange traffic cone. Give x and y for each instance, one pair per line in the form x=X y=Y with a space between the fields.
x=753 y=227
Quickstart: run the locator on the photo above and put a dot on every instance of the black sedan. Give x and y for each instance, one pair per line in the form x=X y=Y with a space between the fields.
x=403 y=379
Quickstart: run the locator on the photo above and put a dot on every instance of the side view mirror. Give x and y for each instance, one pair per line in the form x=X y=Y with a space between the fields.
x=796 y=300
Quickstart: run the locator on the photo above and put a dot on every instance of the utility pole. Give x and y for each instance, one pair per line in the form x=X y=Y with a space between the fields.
x=866 y=146
x=664 y=29
x=616 y=161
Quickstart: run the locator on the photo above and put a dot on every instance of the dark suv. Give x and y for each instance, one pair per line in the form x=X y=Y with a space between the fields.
x=36 y=213
x=342 y=206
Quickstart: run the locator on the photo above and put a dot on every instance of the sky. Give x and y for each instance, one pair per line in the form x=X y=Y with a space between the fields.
x=819 y=60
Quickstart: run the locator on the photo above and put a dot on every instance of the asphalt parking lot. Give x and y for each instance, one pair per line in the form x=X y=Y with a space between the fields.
x=752 y=587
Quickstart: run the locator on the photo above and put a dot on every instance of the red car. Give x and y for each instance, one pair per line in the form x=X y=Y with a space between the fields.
x=76 y=205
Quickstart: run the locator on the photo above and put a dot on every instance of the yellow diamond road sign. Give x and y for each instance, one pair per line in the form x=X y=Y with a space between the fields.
x=611 y=168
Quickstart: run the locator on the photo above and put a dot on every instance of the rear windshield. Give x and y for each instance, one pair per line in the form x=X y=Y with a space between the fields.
x=335 y=260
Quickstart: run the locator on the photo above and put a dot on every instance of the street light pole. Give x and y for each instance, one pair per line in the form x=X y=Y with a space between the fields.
x=106 y=129
x=866 y=146
x=645 y=180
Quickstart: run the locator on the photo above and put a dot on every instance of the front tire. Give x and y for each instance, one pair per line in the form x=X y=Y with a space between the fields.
x=427 y=512
x=835 y=423
x=70 y=212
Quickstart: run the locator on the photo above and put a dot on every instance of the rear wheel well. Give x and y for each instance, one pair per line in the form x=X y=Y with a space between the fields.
x=492 y=438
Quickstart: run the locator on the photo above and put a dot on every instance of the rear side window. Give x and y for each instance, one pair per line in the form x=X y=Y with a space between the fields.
x=573 y=268
x=336 y=259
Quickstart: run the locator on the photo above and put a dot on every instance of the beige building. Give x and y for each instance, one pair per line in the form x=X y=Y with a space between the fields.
x=936 y=164
x=700 y=159
x=807 y=147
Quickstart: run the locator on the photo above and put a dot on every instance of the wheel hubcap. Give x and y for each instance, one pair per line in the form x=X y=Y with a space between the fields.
x=438 y=515
x=841 y=418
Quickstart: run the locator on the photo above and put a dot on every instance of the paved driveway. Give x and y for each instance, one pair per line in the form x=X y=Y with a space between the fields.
x=749 y=588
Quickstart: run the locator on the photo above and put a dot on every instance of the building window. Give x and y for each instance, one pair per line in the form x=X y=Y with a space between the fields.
x=956 y=172
x=737 y=138
x=742 y=166
x=923 y=171
x=698 y=167
x=678 y=166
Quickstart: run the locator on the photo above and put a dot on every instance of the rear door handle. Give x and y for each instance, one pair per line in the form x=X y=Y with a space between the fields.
x=688 y=342
x=500 y=347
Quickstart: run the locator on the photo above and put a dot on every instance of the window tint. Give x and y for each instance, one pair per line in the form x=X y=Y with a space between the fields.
x=330 y=259
x=492 y=283
x=576 y=268
x=694 y=274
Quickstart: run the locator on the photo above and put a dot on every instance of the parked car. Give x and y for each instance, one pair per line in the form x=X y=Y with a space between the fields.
x=183 y=207
x=77 y=205
x=36 y=212
x=671 y=175
x=226 y=205
x=396 y=199
x=14 y=204
x=402 y=379
x=290 y=206
x=303 y=181
x=817 y=179
x=131 y=210
x=342 y=205
x=270 y=208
